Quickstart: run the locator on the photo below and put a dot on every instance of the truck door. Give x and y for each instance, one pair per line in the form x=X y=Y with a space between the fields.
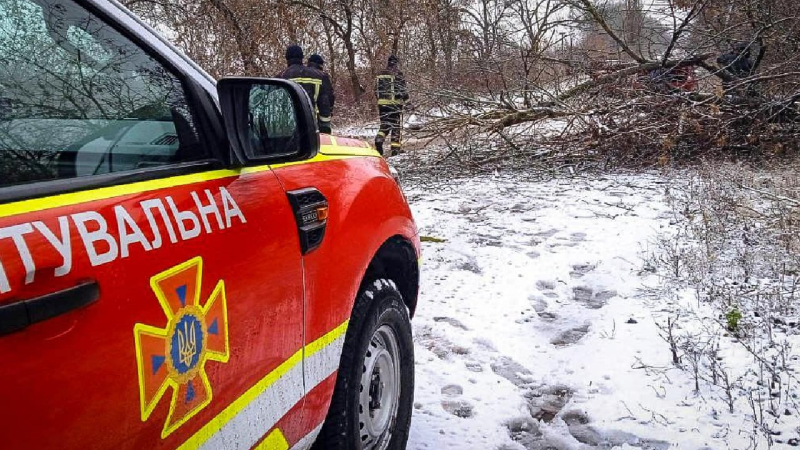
x=148 y=298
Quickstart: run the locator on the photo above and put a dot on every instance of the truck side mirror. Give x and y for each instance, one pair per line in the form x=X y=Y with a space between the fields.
x=268 y=120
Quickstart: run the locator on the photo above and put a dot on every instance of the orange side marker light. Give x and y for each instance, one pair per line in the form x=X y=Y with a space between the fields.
x=322 y=213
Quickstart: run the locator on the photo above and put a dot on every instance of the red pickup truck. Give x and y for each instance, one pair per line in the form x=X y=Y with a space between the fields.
x=187 y=263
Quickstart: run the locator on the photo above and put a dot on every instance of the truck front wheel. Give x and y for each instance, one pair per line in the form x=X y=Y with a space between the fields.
x=372 y=402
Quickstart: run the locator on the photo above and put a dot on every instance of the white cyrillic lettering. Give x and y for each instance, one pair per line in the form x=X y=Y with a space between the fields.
x=147 y=207
x=124 y=223
x=15 y=233
x=63 y=244
x=204 y=211
x=181 y=217
x=90 y=237
x=4 y=286
x=230 y=207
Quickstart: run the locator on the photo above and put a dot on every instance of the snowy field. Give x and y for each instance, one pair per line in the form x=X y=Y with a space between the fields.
x=535 y=330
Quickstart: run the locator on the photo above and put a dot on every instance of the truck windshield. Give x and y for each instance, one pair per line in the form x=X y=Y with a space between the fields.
x=78 y=99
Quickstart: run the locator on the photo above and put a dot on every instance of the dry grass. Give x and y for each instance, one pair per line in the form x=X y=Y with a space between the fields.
x=735 y=245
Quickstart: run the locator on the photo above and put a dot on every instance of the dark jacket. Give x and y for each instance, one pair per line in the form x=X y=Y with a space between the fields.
x=326 y=81
x=390 y=87
x=312 y=80
x=737 y=62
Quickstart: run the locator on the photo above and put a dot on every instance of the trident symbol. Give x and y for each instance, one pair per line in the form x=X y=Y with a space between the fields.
x=187 y=346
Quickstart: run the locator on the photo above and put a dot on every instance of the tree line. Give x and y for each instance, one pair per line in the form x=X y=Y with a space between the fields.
x=491 y=65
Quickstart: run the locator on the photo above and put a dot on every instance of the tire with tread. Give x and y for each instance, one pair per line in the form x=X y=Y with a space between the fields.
x=379 y=304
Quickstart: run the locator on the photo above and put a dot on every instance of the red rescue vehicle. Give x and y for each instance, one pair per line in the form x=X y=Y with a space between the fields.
x=186 y=263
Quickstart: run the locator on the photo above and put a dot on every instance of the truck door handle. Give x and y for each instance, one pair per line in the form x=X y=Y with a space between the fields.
x=310 y=209
x=19 y=315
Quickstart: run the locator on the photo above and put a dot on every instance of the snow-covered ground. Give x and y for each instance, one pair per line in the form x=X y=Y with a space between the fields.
x=534 y=329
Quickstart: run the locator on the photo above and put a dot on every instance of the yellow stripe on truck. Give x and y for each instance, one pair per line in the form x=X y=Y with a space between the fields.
x=227 y=415
x=275 y=441
x=74 y=198
x=327 y=153
x=340 y=150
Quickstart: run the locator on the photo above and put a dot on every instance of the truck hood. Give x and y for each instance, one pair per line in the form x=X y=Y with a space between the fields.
x=332 y=145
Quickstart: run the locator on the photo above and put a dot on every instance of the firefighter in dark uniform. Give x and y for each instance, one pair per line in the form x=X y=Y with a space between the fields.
x=737 y=62
x=315 y=61
x=311 y=80
x=392 y=94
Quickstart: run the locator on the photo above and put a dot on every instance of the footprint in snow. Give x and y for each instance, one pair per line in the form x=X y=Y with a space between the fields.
x=452 y=322
x=474 y=366
x=547 y=233
x=579 y=427
x=539 y=304
x=485 y=344
x=512 y=371
x=546 y=285
x=525 y=431
x=548 y=316
x=545 y=403
x=570 y=337
x=452 y=390
x=575 y=417
x=579 y=270
x=577 y=237
x=486 y=241
x=438 y=344
x=522 y=208
x=591 y=299
x=470 y=265
x=459 y=408
x=562 y=244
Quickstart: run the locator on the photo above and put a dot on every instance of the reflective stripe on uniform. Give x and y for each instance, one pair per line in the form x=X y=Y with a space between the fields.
x=381 y=133
x=324 y=119
x=243 y=421
x=395 y=144
x=392 y=99
x=316 y=82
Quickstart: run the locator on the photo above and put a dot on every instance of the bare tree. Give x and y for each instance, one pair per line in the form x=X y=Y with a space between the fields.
x=341 y=16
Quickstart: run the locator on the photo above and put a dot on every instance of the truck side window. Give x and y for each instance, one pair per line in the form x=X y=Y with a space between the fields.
x=79 y=99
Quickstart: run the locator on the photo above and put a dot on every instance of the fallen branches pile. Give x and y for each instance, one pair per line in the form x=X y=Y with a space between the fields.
x=680 y=96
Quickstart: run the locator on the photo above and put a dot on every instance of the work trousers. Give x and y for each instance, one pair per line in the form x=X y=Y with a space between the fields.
x=391 y=117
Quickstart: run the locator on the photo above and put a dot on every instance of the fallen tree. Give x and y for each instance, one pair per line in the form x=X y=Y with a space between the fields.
x=632 y=111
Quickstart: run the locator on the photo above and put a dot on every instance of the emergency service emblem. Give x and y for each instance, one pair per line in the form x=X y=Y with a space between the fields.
x=175 y=357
